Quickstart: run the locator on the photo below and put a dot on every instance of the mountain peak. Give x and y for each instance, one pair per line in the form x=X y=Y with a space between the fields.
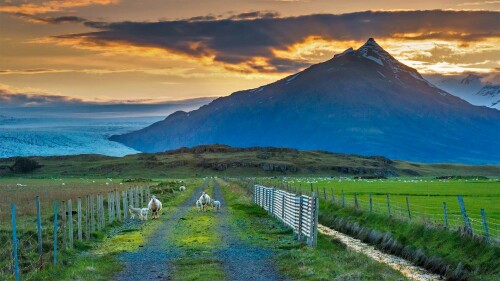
x=371 y=50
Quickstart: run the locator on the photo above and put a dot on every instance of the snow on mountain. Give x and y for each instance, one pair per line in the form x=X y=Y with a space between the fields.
x=470 y=88
x=490 y=96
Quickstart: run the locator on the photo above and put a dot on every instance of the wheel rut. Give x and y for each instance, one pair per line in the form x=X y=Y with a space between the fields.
x=241 y=260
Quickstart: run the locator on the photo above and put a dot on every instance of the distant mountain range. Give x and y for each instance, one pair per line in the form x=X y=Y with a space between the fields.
x=472 y=89
x=361 y=101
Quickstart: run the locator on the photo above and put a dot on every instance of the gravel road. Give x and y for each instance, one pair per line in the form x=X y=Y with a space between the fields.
x=241 y=260
x=151 y=261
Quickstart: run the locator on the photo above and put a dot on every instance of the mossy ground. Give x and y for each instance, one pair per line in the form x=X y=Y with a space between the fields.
x=197 y=240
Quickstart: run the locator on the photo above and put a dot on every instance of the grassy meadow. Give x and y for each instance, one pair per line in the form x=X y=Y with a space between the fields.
x=425 y=197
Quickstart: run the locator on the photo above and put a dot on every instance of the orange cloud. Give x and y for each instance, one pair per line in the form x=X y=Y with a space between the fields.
x=52 y=6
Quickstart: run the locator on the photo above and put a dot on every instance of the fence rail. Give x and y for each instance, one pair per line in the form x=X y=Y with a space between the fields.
x=26 y=243
x=300 y=212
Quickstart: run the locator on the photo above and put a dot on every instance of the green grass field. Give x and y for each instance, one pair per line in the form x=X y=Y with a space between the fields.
x=425 y=196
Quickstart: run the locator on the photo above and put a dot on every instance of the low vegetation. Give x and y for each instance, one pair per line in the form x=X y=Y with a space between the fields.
x=223 y=160
x=449 y=253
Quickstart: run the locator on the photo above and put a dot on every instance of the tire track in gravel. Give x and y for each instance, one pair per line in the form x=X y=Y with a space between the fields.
x=241 y=260
x=152 y=260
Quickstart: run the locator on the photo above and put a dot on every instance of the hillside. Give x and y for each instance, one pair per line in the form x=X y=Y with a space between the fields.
x=224 y=160
x=362 y=101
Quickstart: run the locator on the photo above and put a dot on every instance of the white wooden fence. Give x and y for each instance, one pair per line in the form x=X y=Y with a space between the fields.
x=300 y=212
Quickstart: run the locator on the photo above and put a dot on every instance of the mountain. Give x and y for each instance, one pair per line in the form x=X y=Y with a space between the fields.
x=471 y=89
x=361 y=101
x=490 y=95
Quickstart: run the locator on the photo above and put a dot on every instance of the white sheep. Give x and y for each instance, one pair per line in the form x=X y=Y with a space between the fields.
x=182 y=188
x=135 y=212
x=155 y=207
x=205 y=201
x=144 y=213
x=198 y=205
x=216 y=205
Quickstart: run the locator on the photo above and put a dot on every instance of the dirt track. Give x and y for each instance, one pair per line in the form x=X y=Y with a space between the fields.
x=151 y=262
x=241 y=260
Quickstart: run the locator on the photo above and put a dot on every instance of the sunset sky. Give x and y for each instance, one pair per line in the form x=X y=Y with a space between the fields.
x=150 y=51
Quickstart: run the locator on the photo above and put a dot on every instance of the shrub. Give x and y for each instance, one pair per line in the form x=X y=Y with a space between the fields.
x=24 y=165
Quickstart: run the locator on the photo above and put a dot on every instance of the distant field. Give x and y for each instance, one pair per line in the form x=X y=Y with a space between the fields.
x=426 y=197
x=22 y=192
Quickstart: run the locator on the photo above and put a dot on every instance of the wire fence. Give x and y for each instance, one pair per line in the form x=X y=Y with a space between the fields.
x=478 y=226
x=33 y=238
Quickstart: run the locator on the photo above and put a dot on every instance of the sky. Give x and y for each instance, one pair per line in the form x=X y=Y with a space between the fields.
x=149 y=51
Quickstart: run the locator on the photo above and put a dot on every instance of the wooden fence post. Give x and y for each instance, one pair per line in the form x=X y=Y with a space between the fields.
x=371 y=203
x=63 y=224
x=136 y=197
x=131 y=197
x=324 y=193
x=117 y=205
x=125 y=205
x=79 y=218
x=56 y=228
x=111 y=204
x=39 y=230
x=356 y=200
x=445 y=215
x=467 y=223
x=15 y=241
x=142 y=196
x=343 y=199
x=408 y=207
x=333 y=196
x=98 y=212
x=92 y=212
x=70 y=223
x=388 y=204
x=485 y=226
x=110 y=213
x=87 y=217
x=103 y=220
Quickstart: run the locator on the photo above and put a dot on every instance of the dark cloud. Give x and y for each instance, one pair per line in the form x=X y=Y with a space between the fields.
x=51 y=20
x=254 y=15
x=10 y=98
x=16 y=98
x=241 y=16
x=241 y=38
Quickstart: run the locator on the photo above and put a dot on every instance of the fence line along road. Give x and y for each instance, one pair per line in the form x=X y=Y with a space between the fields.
x=29 y=241
x=300 y=212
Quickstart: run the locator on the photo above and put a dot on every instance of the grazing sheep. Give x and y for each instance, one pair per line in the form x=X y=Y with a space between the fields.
x=216 y=205
x=182 y=188
x=144 y=213
x=135 y=212
x=198 y=205
x=205 y=201
x=155 y=207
